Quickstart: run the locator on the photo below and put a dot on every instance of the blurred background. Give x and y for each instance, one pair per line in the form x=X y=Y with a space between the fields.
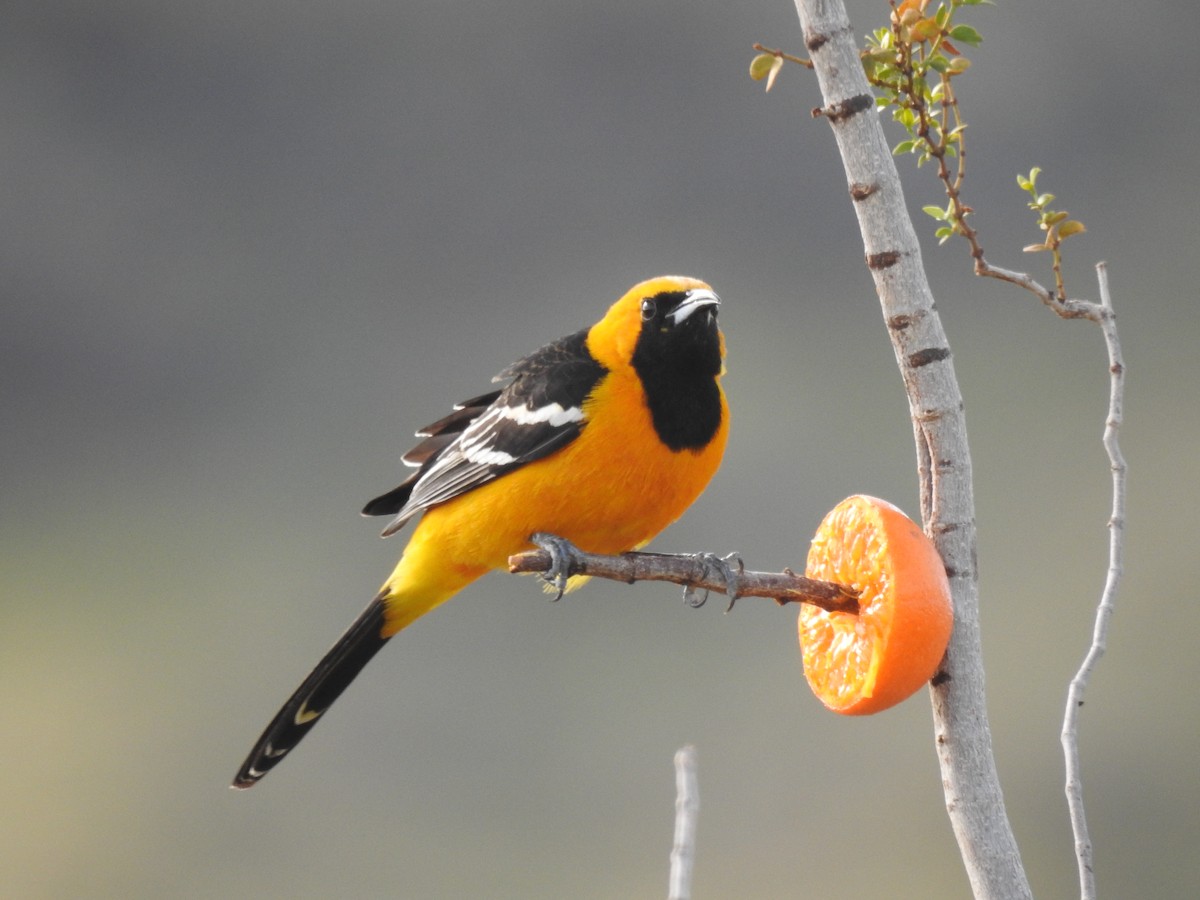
x=249 y=247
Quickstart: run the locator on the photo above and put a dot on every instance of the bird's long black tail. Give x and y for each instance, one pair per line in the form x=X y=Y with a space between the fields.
x=324 y=684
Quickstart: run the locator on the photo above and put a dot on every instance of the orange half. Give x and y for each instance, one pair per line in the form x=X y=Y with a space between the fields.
x=862 y=664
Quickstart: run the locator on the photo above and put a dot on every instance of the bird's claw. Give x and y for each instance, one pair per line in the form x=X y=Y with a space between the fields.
x=563 y=555
x=709 y=563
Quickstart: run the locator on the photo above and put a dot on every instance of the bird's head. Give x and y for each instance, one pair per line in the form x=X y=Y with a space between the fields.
x=669 y=321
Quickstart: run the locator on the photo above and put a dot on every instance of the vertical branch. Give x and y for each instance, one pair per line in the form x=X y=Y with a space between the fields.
x=973 y=797
x=1104 y=611
x=687 y=807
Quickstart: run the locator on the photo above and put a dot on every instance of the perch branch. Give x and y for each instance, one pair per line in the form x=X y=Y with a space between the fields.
x=695 y=571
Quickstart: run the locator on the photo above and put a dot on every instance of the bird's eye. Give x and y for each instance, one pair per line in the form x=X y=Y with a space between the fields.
x=649 y=308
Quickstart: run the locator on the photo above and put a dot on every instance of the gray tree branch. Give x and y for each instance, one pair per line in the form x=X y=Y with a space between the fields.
x=973 y=795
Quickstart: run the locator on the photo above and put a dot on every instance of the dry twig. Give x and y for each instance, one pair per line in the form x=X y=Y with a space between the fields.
x=1101 y=313
x=694 y=571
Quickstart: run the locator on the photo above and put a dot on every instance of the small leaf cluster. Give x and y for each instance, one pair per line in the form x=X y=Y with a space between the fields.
x=911 y=62
x=766 y=65
x=1056 y=223
x=946 y=215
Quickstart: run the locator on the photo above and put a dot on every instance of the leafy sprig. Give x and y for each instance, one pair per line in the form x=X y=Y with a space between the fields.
x=1055 y=222
x=913 y=64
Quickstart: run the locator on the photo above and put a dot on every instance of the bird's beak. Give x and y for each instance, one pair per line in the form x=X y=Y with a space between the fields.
x=693 y=300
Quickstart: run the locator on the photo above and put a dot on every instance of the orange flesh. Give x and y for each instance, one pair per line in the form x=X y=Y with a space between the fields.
x=866 y=663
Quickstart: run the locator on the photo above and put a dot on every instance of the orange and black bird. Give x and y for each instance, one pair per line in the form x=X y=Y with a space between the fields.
x=603 y=437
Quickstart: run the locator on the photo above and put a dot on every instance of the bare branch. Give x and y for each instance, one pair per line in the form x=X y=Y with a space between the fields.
x=687 y=809
x=1104 y=611
x=1064 y=308
x=696 y=571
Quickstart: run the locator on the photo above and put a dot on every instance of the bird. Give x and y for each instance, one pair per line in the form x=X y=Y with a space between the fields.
x=602 y=438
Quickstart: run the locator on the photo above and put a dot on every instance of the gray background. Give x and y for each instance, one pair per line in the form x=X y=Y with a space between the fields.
x=248 y=247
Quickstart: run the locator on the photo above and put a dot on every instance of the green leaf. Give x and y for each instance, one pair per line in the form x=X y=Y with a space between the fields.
x=1044 y=199
x=944 y=234
x=965 y=34
x=1074 y=226
x=761 y=65
x=936 y=211
x=903 y=147
x=939 y=63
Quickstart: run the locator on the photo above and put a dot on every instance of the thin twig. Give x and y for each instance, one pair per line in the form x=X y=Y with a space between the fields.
x=687 y=809
x=695 y=571
x=1104 y=611
x=1064 y=308
x=800 y=61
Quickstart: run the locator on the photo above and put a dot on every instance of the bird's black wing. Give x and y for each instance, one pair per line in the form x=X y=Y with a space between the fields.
x=438 y=437
x=540 y=411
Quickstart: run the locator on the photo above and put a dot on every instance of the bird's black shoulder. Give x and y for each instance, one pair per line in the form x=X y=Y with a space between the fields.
x=562 y=372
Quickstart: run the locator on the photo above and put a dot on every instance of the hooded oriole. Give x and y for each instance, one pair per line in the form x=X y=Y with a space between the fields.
x=603 y=437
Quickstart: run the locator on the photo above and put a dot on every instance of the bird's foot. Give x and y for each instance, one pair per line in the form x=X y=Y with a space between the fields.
x=563 y=556
x=721 y=565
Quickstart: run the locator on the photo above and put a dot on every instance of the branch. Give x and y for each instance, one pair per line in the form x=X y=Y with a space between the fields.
x=692 y=571
x=1065 y=308
x=687 y=808
x=1104 y=611
x=906 y=87
x=1057 y=227
x=974 y=800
